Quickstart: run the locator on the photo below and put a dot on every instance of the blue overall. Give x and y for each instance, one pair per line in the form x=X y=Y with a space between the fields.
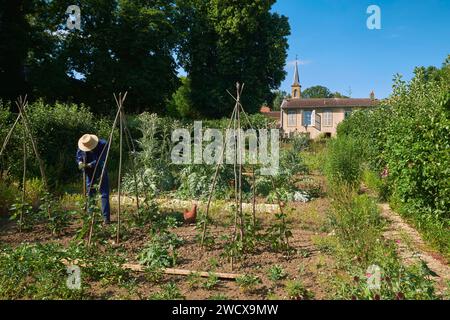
x=91 y=158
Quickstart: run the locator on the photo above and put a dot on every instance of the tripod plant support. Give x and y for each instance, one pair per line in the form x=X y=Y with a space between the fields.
x=21 y=104
x=120 y=117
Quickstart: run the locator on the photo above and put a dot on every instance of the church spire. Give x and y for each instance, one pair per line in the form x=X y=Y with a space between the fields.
x=296 y=87
x=296 y=77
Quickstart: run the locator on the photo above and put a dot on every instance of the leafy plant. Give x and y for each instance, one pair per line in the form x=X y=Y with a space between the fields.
x=154 y=273
x=156 y=254
x=25 y=210
x=278 y=233
x=35 y=272
x=193 y=280
x=248 y=282
x=170 y=291
x=297 y=291
x=211 y=282
x=276 y=273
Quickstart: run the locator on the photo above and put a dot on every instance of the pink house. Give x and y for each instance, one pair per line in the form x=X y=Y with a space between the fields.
x=317 y=117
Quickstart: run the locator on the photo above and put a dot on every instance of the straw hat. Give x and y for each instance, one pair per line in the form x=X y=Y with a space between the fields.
x=88 y=142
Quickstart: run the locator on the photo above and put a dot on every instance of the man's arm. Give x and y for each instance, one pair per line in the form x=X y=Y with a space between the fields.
x=80 y=157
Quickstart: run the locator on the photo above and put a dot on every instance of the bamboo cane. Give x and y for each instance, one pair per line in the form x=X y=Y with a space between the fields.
x=254 y=197
x=131 y=147
x=273 y=185
x=236 y=201
x=21 y=105
x=120 y=170
x=213 y=184
x=84 y=185
x=24 y=181
x=107 y=148
x=8 y=136
x=239 y=150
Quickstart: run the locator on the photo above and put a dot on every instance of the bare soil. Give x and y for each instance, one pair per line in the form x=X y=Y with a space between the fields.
x=307 y=263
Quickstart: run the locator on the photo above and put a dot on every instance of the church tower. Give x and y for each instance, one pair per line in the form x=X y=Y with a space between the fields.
x=296 y=87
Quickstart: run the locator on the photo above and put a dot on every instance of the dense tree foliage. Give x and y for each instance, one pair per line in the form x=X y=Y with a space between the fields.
x=14 y=35
x=320 y=92
x=225 y=42
x=126 y=45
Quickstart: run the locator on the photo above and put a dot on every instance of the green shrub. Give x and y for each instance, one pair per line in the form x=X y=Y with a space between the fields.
x=344 y=162
x=34 y=191
x=8 y=194
x=407 y=138
x=56 y=129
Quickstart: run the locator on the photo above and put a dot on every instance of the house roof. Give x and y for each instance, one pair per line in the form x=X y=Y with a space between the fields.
x=273 y=114
x=330 y=102
x=264 y=109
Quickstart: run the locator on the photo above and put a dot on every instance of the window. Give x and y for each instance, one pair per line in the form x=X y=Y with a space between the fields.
x=328 y=118
x=307 y=119
x=295 y=93
x=292 y=118
x=347 y=113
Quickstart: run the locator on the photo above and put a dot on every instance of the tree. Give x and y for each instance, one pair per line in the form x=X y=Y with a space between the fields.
x=317 y=92
x=321 y=92
x=229 y=42
x=433 y=73
x=338 y=95
x=14 y=33
x=123 y=45
x=126 y=45
x=278 y=99
x=181 y=105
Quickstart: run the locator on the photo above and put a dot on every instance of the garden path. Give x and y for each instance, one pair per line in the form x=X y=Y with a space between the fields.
x=412 y=248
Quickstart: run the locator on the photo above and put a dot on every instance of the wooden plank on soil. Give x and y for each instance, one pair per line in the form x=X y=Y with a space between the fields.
x=170 y=271
x=184 y=272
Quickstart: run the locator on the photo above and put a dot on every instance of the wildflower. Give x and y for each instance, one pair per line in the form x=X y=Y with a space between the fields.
x=385 y=173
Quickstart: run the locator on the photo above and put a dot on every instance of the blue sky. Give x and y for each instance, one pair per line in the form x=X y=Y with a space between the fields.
x=337 y=50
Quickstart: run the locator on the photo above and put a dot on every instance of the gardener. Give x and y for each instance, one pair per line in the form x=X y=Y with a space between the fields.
x=91 y=153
